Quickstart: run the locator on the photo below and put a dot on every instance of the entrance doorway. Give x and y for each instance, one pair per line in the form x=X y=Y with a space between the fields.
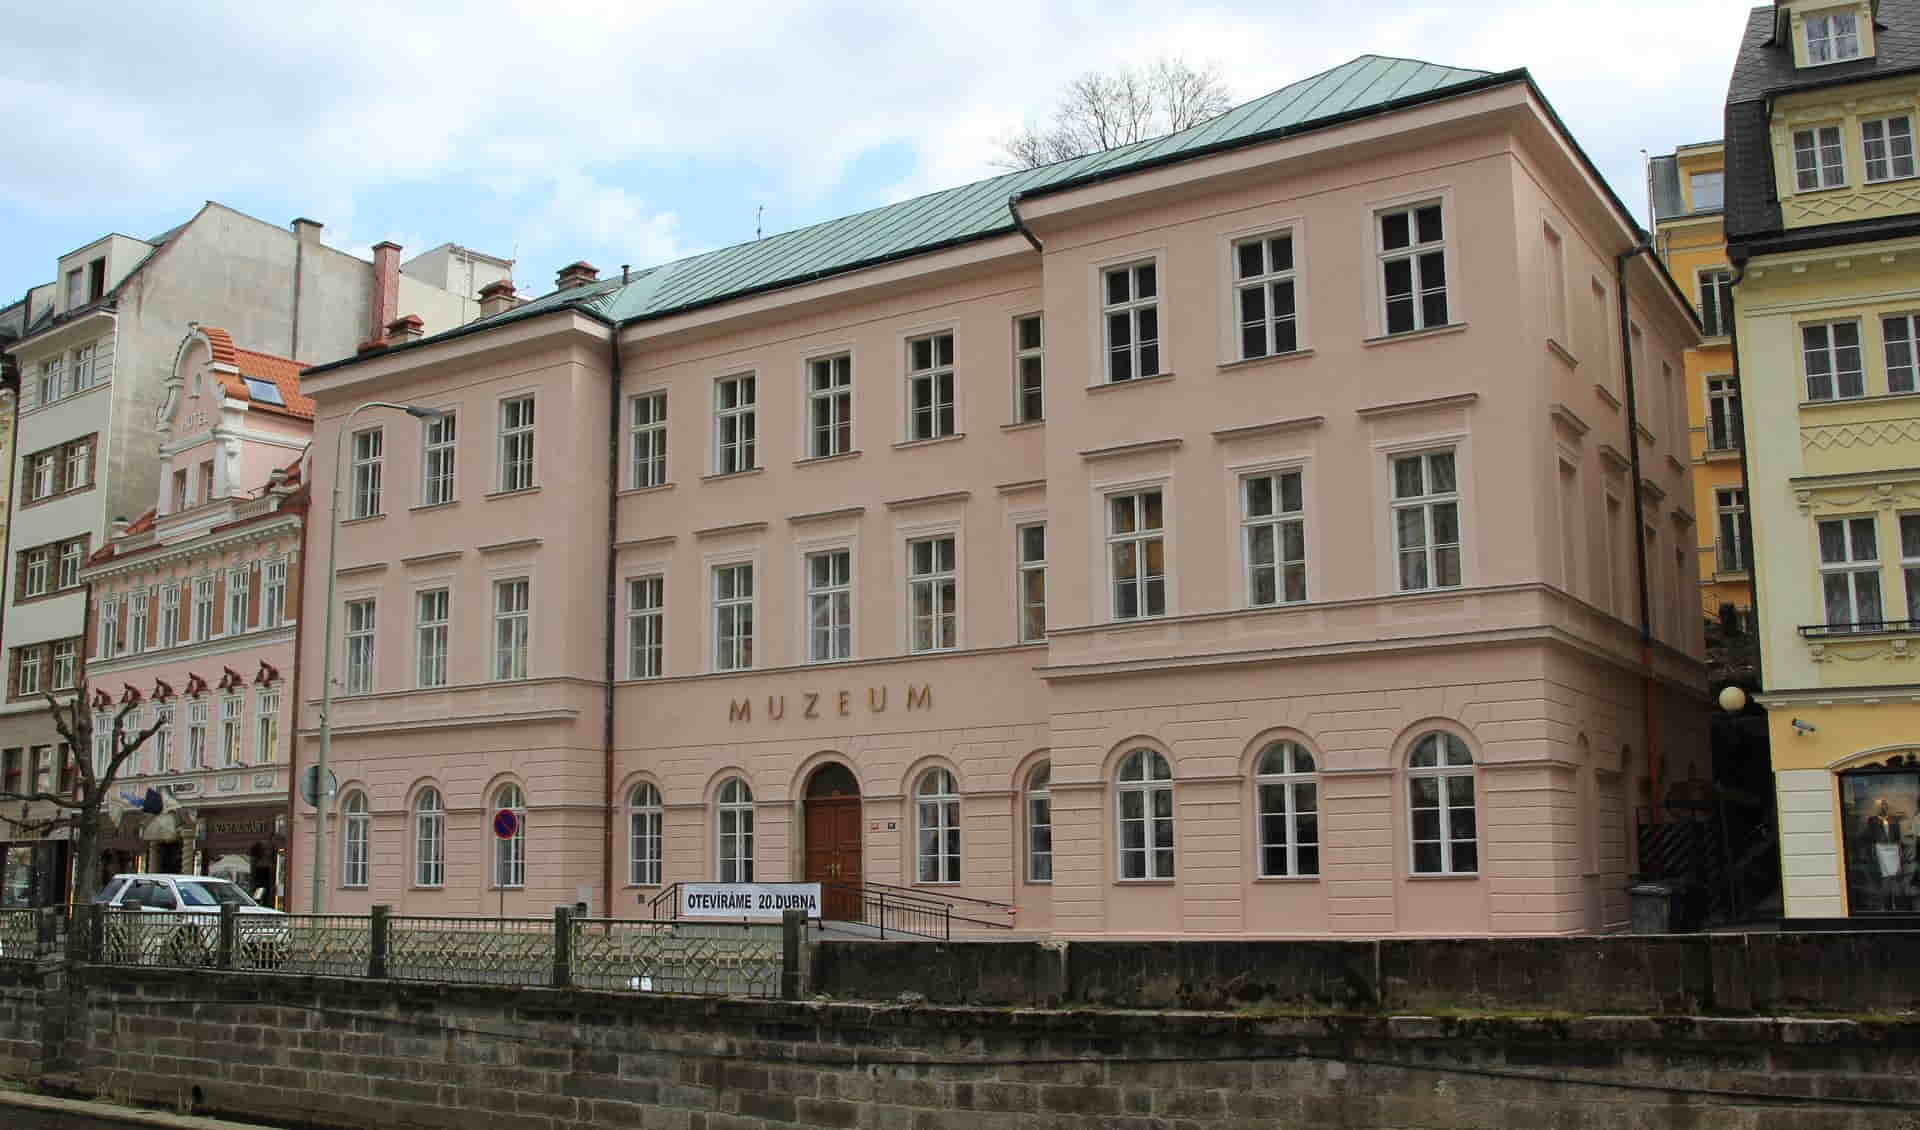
x=833 y=819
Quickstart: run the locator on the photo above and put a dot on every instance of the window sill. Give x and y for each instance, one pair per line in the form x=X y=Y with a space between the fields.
x=1554 y=347
x=1428 y=590
x=1721 y=455
x=1269 y=359
x=1144 y=882
x=1036 y=882
x=1416 y=335
x=1451 y=875
x=1876 y=398
x=1798 y=192
x=428 y=887
x=534 y=489
x=1109 y=386
x=362 y=520
x=930 y=441
x=1736 y=575
x=740 y=474
x=815 y=460
x=1286 y=879
x=1871 y=183
x=47 y=499
x=50 y=594
x=1606 y=396
x=434 y=505
x=1023 y=425
x=654 y=489
x=1708 y=341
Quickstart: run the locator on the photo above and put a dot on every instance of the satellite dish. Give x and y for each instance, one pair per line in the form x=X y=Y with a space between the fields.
x=310 y=789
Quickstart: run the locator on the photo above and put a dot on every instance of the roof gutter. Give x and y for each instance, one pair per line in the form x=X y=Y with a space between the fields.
x=611 y=609
x=1020 y=224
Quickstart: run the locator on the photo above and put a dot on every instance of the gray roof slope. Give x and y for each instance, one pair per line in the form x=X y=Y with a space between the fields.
x=926 y=223
x=1763 y=69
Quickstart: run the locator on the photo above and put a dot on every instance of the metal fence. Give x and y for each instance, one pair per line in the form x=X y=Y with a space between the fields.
x=333 y=944
x=676 y=957
x=29 y=934
x=484 y=951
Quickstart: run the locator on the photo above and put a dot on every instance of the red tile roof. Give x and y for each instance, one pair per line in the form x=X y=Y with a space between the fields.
x=278 y=371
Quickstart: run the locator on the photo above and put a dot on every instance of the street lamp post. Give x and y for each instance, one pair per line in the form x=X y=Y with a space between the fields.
x=321 y=795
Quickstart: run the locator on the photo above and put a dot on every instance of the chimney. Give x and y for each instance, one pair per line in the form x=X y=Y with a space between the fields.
x=577 y=274
x=386 y=287
x=403 y=330
x=305 y=230
x=497 y=298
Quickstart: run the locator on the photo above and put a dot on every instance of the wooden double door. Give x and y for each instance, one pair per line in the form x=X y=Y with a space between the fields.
x=833 y=853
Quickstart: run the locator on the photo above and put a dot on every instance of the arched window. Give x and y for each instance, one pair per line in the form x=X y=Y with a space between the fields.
x=1146 y=816
x=939 y=805
x=644 y=819
x=1289 y=807
x=510 y=854
x=736 y=831
x=353 y=864
x=1040 y=824
x=1440 y=802
x=429 y=839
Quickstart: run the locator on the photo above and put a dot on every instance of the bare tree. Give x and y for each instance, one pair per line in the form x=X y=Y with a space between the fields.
x=1104 y=110
x=79 y=810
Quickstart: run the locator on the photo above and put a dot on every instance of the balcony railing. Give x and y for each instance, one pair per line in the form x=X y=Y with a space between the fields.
x=1721 y=444
x=1857 y=627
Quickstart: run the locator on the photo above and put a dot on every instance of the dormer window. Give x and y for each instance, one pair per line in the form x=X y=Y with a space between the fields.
x=1709 y=191
x=1832 y=37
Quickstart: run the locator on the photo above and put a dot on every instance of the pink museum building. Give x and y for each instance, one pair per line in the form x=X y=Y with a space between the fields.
x=1274 y=529
x=192 y=620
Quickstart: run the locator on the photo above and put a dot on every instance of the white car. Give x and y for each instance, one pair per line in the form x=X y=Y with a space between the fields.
x=189 y=932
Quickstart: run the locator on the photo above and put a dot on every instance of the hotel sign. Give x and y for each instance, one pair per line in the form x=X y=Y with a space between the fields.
x=827 y=704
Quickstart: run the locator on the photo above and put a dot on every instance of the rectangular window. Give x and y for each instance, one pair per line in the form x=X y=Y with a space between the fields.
x=360 y=628
x=733 y=617
x=930 y=387
x=83 y=357
x=1832 y=38
x=232 y=731
x=1818 y=160
x=1029 y=369
x=932 y=592
x=197 y=734
x=829 y=406
x=830 y=605
x=1724 y=428
x=1426 y=521
x=180 y=499
x=202 y=609
x=1413 y=268
x=1731 y=554
x=649 y=440
x=511 y=600
x=1709 y=191
x=1716 y=302
x=733 y=424
x=206 y=481
x=1274 y=527
x=430 y=636
x=646 y=627
x=438 y=436
x=1032 y=542
x=27 y=664
x=79 y=465
x=1888 y=147
x=516 y=443
x=1850 y=573
x=1136 y=554
x=239 y=587
x=66 y=654
x=368 y=466
x=1131 y=312
x=102 y=742
x=43 y=476
x=170 y=615
x=1901 y=333
x=1264 y=281
x=110 y=628
x=1556 y=286
x=37 y=572
x=53 y=383
x=76 y=287
x=1910 y=563
x=1831 y=351
x=266 y=728
x=70 y=553
x=137 y=606
x=163 y=738
x=273 y=593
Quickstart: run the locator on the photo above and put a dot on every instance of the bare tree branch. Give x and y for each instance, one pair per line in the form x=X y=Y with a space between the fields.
x=1103 y=110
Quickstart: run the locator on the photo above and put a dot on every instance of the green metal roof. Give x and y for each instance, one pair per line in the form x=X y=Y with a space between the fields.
x=1367 y=84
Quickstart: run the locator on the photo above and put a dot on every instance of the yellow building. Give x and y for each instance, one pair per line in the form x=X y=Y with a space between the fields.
x=1823 y=230
x=1688 y=190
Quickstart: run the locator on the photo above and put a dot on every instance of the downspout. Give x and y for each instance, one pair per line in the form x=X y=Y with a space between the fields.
x=299 y=255
x=288 y=883
x=1020 y=225
x=612 y=610
x=1746 y=491
x=1650 y=731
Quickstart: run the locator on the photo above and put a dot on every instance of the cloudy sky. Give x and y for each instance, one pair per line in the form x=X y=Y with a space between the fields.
x=633 y=132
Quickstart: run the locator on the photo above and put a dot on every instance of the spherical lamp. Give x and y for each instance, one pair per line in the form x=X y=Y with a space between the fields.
x=1733 y=700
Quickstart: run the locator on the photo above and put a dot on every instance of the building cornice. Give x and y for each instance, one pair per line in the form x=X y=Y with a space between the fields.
x=123 y=666
x=195 y=547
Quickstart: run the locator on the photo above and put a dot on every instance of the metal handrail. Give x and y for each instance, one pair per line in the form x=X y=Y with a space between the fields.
x=671 y=896
x=1858 y=627
x=915 y=901
x=920 y=892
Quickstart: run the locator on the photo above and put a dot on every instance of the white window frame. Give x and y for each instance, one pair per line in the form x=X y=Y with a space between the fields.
x=273 y=592
x=38 y=574
x=739 y=452
x=646 y=839
x=829 y=419
x=430 y=838
x=1716 y=300
x=239 y=588
x=647 y=439
x=110 y=627
x=1029 y=369
x=202 y=609
x=1427 y=504
x=1417 y=253
x=197 y=733
x=1155 y=863
x=1900 y=342
x=1851 y=567
x=829 y=603
x=1819 y=152
x=936 y=806
x=1038 y=811
x=1889 y=143
x=646 y=626
x=52 y=379
x=733 y=830
x=68 y=576
x=31 y=664
x=79 y=469
x=1832 y=353
x=266 y=726
x=733 y=651
x=1719 y=182
x=1730 y=503
x=1139 y=540
x=233 y=731
x=1030 y=572
x=42 y=481
x=432 y=632
x=1836 y=30
x=102 y=743
x=1286 y=787
x=65 y=664
x=368 y=461
x=1275 y=524
x=1145 y=355
x=355 y=840
x=1723 y=413
x=1268 y=281
x=139 y=608
x=509 y=871
x=163 y=716
x=516 y=448
x=1448 y=746
x=940 y=582
x=439 y=458
x=1910 y=564
x=931 y=394
x=170 y=614
x=361 y=618
x=512 y=627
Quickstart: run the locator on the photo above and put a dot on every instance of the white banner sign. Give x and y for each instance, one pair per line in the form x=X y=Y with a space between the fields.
x=748 y=900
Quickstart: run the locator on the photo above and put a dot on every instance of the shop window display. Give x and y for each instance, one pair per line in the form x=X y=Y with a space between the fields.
x=1878 y=806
